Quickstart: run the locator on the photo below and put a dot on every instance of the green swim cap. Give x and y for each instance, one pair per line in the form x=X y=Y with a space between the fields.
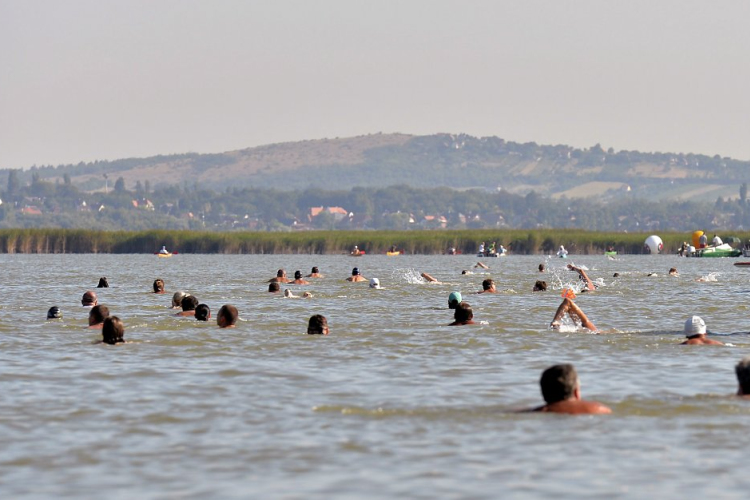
x=454 y=299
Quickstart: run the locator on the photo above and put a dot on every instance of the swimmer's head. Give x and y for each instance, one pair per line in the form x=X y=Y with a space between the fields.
x=315 y=270
x=695 y=326
x=298 y=275
x=616 y=275
x=540 y=286
x=202 y=312
x=89 y=299
x=280 y=273
x=541 y=268
x=288 y=293
x=488 y=284
x=355 y=271
x=375 y=283
x=274 y=287
x=103 y=283
x=317 y=325
x=54 y=313
x=307 y=295
x=177 y=298
x=454 y=299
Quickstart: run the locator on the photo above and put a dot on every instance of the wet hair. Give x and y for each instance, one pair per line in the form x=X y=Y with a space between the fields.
x=98 y=314
x=89 y=298
x=158 y=285
x=315 y=269
x=742 y=369
x=280 y=273
x=616 y=275
x=463 y=312
x=202 y=312
x=274 y=287
x=177 y=298
x=540 y=286
x=317 y=325
x=54 y=313
x=541 y=268
x=113 y=331
x=189 y=303
x=103 y=283
x=487 y=284
x=558 y=383
x=297 y=275
x=229 y=313
x=672 y=270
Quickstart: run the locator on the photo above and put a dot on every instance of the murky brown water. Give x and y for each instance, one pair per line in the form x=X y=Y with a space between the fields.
x=391 y=404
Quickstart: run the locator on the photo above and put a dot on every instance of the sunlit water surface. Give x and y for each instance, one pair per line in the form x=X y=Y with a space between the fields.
x=393 y=404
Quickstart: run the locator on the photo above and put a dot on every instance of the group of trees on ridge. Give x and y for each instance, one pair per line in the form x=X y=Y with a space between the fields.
x=41 y=203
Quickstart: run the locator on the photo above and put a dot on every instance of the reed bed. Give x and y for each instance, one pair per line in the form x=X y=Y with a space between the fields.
x=518 y=241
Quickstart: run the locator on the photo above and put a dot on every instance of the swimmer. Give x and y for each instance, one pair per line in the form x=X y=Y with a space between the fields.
x=89 y=299
x=583 y=277
x=430 y=279
x=177 y=299
x=315 y=273
x=298 y=280
x=561 y=391
x=307 y=295
x=158 y=285
x=742 y=369
x=227 y=317
x=317 y=325
x=574 y=312
x=464 y=315
x=375 y=283
x=542 y=268
x=695 y=331
x=482 y=265
x=97 y=315
x=54 y=313
x=540 y=286
x=356 y=276
x=616 y=275
x=202 y=312
x=188 y=305
x=288 y=294
x=488 y=286
x=274 y=287
x=113 y=331
x=454 y=299
x=280 y=277
x=103 y=283
x=673 y=271
x=466 y=272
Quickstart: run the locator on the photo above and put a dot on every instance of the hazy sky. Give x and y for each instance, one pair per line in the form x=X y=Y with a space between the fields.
x=82 y=80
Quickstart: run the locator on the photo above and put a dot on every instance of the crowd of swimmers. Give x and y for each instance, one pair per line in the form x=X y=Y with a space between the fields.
x=559 y=384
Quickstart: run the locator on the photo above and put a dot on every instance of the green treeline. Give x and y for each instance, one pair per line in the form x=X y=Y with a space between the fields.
x=43 y=204
x=543 y=241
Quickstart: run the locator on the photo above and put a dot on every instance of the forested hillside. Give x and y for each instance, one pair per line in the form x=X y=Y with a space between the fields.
x=442 y=160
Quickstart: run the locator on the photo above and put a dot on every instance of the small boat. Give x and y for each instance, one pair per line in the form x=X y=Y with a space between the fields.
x=392 y=254
x=742 y=264
x=723 y=250
x=358 y=254
x=491 y=255
x=168 y=254
x=611 y=253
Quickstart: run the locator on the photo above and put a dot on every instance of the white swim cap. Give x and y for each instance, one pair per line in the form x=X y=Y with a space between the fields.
x=374 y=283
x=695 y=326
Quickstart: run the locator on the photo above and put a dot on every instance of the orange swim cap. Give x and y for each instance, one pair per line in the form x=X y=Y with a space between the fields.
x=568 y=293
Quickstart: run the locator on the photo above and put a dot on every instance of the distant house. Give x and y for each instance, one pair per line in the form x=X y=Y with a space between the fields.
x=338 y=213
x=31 y=210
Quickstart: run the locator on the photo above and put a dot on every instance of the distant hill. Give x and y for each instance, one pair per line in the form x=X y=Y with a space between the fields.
x=456 y=161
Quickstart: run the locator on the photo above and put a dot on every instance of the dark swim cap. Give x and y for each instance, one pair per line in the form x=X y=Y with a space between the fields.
x=54 y=313
x=297 y=275
x=355 y=271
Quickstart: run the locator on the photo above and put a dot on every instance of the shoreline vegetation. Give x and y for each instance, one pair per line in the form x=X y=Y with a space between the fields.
x=517 y=241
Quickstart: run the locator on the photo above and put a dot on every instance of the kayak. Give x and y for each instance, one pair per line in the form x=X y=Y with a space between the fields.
x=391 y=254
x=164 y=254
x=612 y=253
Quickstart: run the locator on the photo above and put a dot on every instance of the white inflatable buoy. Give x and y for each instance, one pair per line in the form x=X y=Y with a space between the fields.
x=653 y=244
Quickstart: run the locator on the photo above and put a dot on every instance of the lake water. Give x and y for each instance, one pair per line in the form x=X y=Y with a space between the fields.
x=392 y=404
